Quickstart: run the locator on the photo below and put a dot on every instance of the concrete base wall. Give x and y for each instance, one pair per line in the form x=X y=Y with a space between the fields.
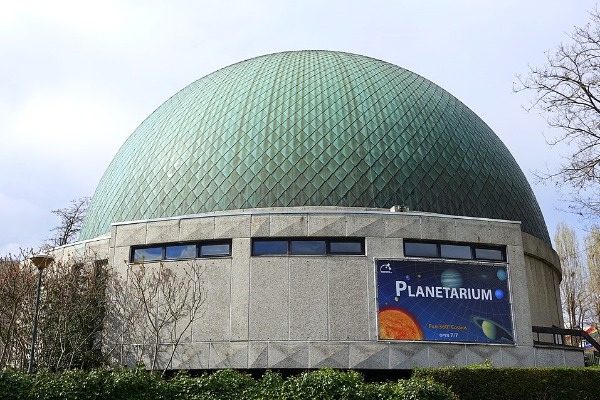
x=318 y=311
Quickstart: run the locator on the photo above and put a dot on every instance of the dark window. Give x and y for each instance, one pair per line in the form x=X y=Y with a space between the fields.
x=346 y=247
x=182 y=251
x=265 y=247
x=147 y=254
x=489 y=254
x=455 y=251
x=305 y=247
x=215 y=250
x=418 y=249
x=308 y=247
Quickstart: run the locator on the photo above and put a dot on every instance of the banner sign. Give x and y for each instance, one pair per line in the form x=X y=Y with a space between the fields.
x=443 y=301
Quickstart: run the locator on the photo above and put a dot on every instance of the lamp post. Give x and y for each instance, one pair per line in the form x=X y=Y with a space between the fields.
x=41 y=261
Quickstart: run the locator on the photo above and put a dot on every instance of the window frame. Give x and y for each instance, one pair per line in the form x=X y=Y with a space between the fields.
x=474 y=247
x=164 y=246
x=327 y=241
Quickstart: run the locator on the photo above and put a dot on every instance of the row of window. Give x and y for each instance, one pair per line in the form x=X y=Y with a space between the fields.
x=305 y=247
x=328 y=246
x=181 y=251
x=455 y=251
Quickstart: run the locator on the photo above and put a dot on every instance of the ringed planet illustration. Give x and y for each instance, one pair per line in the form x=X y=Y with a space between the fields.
x=491 y=329
x=396 y=323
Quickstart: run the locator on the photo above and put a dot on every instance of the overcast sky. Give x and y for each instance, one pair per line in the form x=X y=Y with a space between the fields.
x=77 y=77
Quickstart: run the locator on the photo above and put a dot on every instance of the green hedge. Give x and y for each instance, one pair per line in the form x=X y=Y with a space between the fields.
x=517 y=383
x=133 y=384
x=429 y=384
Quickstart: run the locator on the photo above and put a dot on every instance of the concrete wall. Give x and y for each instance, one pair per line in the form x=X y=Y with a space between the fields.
x=316 y=311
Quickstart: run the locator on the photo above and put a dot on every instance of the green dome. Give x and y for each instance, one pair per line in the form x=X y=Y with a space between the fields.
x=312 y=128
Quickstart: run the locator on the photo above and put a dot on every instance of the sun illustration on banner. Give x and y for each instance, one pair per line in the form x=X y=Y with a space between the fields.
x=396 y=323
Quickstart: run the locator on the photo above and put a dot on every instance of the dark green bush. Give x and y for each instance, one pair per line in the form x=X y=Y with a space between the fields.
x=518 y=383
x=138 y=384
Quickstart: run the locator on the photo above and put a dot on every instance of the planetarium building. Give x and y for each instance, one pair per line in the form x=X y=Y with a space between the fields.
x=344 y=212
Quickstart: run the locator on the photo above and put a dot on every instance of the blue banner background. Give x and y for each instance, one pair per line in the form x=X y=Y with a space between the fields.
x=443 y=319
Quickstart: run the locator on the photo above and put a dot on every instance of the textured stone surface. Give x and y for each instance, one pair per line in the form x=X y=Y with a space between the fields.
x=232 y=226
x=369 y=355
x=197 y=228
x=308 y=298
x=162 y=231
x=228 y=355
x=214 y=323
x=326 y=225
x=407 y=355
x=240 y=289
x=332 y=355
x=289 y=225
x=288 y=354
x=269 y=297
x=130 y=234
x=348 y=312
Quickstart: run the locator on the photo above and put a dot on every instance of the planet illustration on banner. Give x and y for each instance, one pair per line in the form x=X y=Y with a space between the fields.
x=499 y=293
x=451 y=278
x=396 y=323
x=501 y=274
x=491 y=329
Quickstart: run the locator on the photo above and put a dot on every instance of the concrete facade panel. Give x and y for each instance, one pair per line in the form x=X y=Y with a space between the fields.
x=269 y=298
x=288 y=354
x=308 y=298
x=518 y=356
x=162 y=231
x=327 y=354
x=197 y=229
x=408 y=355
x=473 y=231
x=214 y=323
x=403 y=226
x=232 y=226
x=260 y=225
x=442 y=354
x=479 y=355
x=288 y=225
x=348 y=299
x=130 y=234
x=372 y=355
x=366 y=226
x=192 y=356
x=258 y=354
x=240 y=288
x=434 y=228
x=228 y=355
x=326 y=225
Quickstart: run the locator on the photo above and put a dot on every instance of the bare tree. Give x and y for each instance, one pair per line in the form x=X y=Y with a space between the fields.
x=567 y=92
x=154 y=306
x=17 y=286
x=71 y=219
x=592 y=247
x=573 y=287
x=72 y=315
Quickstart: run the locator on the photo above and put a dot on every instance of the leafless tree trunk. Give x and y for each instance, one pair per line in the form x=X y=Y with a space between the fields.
x=573 y=287
x=592 y=246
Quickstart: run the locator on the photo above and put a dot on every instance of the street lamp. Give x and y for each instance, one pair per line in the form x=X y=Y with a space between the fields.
x=41 y=261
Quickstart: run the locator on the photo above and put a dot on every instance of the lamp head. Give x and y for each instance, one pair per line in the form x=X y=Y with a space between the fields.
x=42 y=260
